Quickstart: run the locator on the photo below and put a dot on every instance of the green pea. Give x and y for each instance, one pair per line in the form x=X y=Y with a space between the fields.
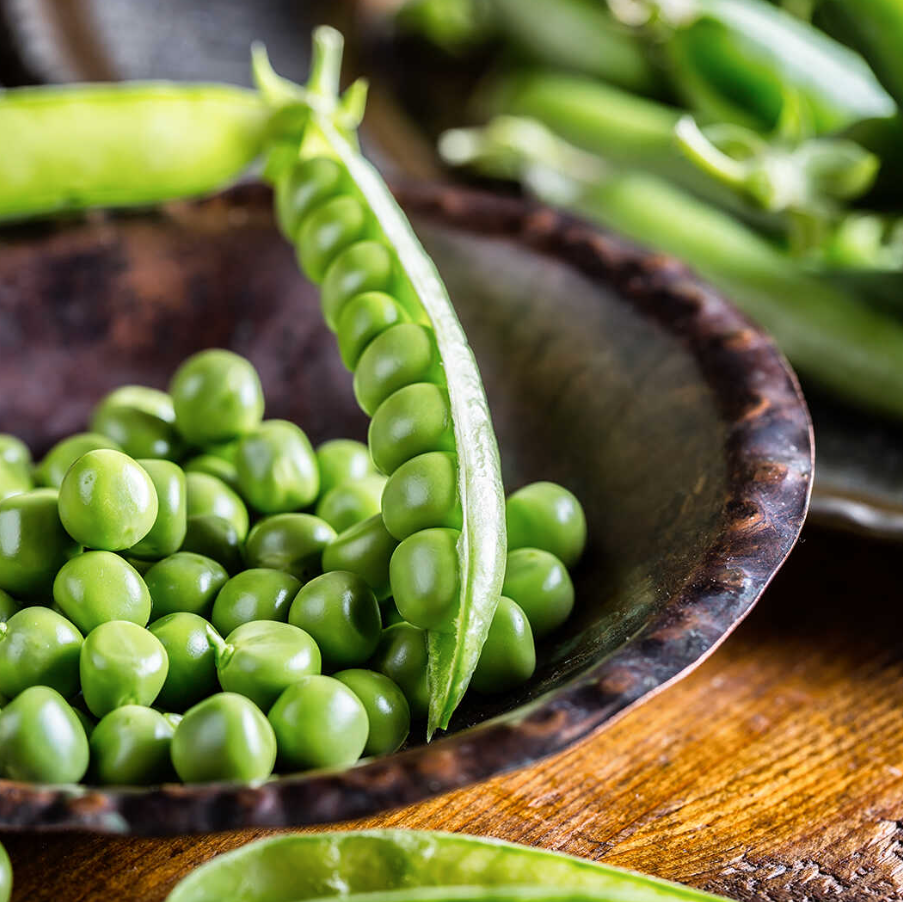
x=388 y=712
x=87 y=721
x=121 y=663
x=362 y=319
x=400 y=356
x=311 y=182
x=342 y=460
x=184 y=581
x=41 y=739
x=340 y=611
x=51 y=470
x=254 y=595
x=540 y=584
x=38 y=647
x=140 y=420
x=107 y=501
x=326 y=230
x=259 y=660
x=14 y=452
x=364 y=266
x=277 y=468
x=13 y=480
x=6 y=875
x=130 y=747
x=168 y=532
x=209 y=496
x=351 y=502
x=149 y=400
x=8 y=606
x=390 y=613
x=508 y=658
x=223 y=450
x=213 y=465
x=192 y=660
x=424 y=577
x=217 y=397
x=365 y=549
x=100 y=586
x=423 y=493
x=217 y=539
x=224 y=737
x=33 y=543
x=410 y=422
x=546 y=516
x=319 y=722
x=292 y=543
x=402 y=656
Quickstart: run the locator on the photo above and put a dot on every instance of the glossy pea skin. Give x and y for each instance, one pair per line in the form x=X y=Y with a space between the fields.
x=212 y=465
x=8 y=606
x=6 y=875
x=51 y=470
x=191 y=675
x=340 y=611
x=39 y=647
x=547 y=516
x=184 y=581
x=33 y=543
x=277 y=469
x=224 y=738
x=539 y=582
x=424 y=577
x=388 y=712
x=326 y=231
x=130 y=747
x=310 y=182
x=342 y=460
x=168 y=532
x=107 y=501
x=362 y=267
x=508 y=658
x=423 y=493
x=140 y=420
x=319 y=722
x=365 y=549
x=15 y=453
x=217 y=396
x=362 y=318
x=13 y=480
x=292 y=543
x=215 y=538
x=351 y=502
x=211 y=497
x=402 y=656
x=41 y=739
x=99 y=586
x=256 y=594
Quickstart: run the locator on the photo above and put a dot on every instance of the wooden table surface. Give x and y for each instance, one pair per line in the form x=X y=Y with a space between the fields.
x=774 y=771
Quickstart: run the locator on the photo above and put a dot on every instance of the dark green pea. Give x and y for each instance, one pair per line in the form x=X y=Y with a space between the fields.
x=217 y=397
x=259 y=660
x=140 y=420
x=15 y=453
x=388 y=712
x=254 y=595
x=107 y=501
x=38 y=647
x=310 y=182
x=8 y=606
x=215 y=466
x=328 y=229
x=319 y=722
x=365 y=266
x=424 y=576
x=546 y=516
x=100 y=586
x=540 y=584
x=41 y=739
x=398 y=357
x=13 y=480
x=277 y=468
x=168 y=532
x=340 y=611
x=130 y=747
x=51 y=470
x=412 y=421
x=121 y=663
x=342 y=460
x=211 y=497
x=402 y=656
x=292 y=543
x=33 y=543
x=362 y=319
x=352 y=502
x=365 y=549
x=508 y=658
x=192 y=660
x=423 y=493
x=184 y=581
x=224 y=738
x=217 y=539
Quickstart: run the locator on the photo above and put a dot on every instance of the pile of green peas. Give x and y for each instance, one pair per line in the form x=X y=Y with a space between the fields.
x=191 y=592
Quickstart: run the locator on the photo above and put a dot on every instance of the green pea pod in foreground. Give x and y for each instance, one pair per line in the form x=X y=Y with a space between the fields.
x=123 y=144
x=409 y=865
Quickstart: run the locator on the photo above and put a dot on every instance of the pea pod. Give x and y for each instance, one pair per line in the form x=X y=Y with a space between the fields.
x=352 y=237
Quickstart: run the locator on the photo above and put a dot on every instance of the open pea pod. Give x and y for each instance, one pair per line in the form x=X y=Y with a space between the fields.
x=413 y=866
x=414 y=371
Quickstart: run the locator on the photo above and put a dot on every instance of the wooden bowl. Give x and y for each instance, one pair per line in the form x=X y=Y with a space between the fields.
x=610 y=370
